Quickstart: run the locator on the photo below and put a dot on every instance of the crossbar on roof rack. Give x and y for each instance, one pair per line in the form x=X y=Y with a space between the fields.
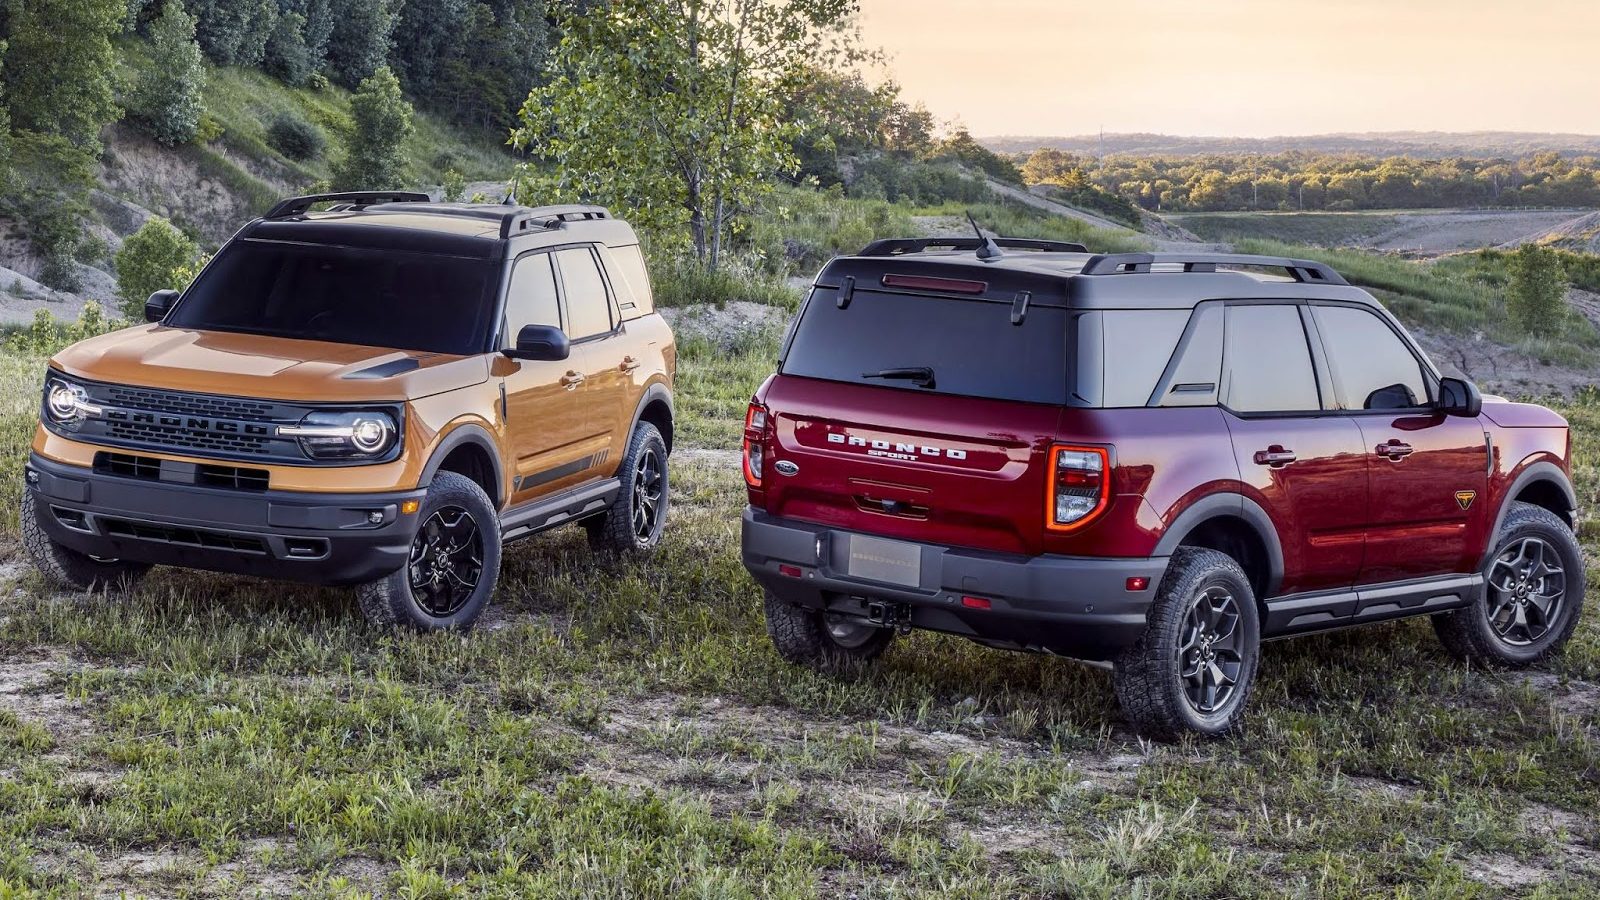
x=1302 y=270
x=295 y=206
x=903 y=246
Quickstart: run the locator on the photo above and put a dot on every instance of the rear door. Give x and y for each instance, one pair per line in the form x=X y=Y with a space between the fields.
x=1426 y=469
x=1304 y=466
x=591 y=324
x=919 y=415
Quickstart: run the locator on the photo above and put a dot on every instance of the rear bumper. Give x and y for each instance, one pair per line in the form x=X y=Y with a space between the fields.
x=1076 y=606
x=316 y=538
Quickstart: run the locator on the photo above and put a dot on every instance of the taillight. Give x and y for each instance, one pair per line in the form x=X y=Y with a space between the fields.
x=755 y=428
x=1079 y=486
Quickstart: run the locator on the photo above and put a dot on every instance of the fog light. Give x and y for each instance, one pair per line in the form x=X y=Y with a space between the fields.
x=375 y=517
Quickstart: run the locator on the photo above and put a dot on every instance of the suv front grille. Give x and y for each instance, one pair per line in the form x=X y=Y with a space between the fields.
x=190 y=404
x=179 y=436
x=149 y=468
x=188 y=537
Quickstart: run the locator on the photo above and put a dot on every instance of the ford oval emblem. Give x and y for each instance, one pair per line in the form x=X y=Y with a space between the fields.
x=786 y=467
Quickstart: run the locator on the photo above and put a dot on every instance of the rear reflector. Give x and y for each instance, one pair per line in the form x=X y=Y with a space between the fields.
x=976 y=602
x=789 y=571
x=926 y=283
x=1137 y=582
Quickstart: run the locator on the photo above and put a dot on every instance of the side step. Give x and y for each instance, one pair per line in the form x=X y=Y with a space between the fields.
x=1323 y=611
x=548 y=512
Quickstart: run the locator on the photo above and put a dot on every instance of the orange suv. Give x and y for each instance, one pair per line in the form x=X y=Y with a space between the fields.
x=380 y=393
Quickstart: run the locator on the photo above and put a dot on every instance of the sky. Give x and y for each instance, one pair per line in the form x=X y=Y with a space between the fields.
x=1245 y=68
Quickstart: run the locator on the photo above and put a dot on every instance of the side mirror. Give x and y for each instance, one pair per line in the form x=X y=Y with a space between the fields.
x=1459 y=397
x=159 y=304
x=541 y=342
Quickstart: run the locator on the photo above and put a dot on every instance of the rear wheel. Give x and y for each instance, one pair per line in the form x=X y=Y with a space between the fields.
x=806 y=637
x=67 y=569
x=635 y=520
x=1533 y=594
x=453 y=566
x=1193 y=668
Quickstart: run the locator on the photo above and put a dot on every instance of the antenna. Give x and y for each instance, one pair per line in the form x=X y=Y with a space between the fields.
x=987 y=248
x=511 y=193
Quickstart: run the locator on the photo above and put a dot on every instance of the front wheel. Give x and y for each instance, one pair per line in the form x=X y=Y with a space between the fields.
x=1192 y=669
x=634 y=521
x=453 y=566
x=67 y=569
x=1533 y=594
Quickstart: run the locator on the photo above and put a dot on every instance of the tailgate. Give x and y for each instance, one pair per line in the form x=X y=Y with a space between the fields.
x=936 y=468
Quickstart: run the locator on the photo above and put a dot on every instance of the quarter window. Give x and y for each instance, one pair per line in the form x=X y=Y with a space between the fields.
x=1269 y=361
x=531 y=299
x=588 y=307
x=1372 y=367
x=1138 y=345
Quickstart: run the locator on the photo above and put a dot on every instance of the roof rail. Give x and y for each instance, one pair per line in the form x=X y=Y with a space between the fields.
x=550 y=217
x=1302 y=270
x=902 y=246
x=295 y=206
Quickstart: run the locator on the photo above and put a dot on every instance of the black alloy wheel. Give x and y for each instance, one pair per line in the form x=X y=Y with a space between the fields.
x=1209 y=650
x=446 y=561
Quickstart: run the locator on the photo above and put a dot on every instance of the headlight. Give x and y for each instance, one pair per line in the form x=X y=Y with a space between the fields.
x=66 y=404
x=360 y=434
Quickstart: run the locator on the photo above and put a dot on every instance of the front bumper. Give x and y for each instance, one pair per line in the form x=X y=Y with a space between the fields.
x=316 y=538
x=1075 y=606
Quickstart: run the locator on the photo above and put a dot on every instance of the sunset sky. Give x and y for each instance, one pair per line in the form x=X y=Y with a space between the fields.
x=1252 y=68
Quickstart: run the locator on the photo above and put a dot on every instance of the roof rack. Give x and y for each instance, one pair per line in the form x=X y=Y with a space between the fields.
x=903 y=246
x=549 y=217
x=295 y=206
x=1302 y=270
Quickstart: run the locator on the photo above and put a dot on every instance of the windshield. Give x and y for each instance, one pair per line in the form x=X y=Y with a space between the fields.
x=934 y=345
x=347 y=295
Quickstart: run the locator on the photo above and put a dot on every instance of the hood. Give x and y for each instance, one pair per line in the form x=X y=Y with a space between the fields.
x=273 y=368
x=1506 y=414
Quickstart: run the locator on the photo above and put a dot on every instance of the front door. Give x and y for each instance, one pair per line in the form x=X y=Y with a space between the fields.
x=1427 y=472
x=1304 y=467
x=547 y=421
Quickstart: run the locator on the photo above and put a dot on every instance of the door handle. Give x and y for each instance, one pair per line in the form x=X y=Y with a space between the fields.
x=629 y=364
x=1394 y=449
x=571 y=380
x=1275 y=456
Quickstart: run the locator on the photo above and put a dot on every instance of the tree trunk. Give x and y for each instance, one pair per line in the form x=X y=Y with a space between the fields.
x=716 y=233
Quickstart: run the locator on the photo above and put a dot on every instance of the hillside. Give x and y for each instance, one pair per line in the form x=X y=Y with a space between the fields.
x=1397 y=143
x=210 y=187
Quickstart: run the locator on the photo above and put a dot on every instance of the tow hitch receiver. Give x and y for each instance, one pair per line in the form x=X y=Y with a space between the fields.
x=890 y=615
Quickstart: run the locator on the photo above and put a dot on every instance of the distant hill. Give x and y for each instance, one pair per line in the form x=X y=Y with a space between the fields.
x=1387 y=143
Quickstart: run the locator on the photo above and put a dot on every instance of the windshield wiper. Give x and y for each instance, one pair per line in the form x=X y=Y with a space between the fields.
x=921 y=376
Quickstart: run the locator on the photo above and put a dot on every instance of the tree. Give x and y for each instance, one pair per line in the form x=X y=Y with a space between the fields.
x=148 y=262
x=674 y=109
x=287 y=57
x=59 y=68
x=493 y=64
x=1537 y=291
x=5 y=131
x=374 y=158
x=235 y=32
x=167 y=96
x=360 y=38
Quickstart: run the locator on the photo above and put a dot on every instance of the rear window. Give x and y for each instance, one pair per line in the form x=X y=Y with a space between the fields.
x=379 y=298
x=969 y=347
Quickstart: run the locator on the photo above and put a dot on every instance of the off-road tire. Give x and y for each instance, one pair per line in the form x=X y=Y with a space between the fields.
x=802 y=636
x=67 y=569
x=616 y=531
x=391 y=600
x=1467 y=633
x=1147 y=676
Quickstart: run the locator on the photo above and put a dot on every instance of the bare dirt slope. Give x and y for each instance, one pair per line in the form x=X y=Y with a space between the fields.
x=1581 y=234
x=1435 y=232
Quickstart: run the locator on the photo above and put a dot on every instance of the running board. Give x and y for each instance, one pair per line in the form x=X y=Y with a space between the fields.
x=1297 y=614
x=548 y=512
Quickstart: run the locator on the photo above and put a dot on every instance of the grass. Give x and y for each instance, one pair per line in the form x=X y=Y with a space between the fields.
x=624 y=729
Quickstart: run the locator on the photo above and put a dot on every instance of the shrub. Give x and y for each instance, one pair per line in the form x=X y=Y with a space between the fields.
x=295 y=138
x=1537 y=292
x=45 y=335
x=455 y=184
x=148 y=261
x=167 y=97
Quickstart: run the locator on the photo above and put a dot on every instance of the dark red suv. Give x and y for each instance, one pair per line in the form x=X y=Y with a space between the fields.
x=1153 y=460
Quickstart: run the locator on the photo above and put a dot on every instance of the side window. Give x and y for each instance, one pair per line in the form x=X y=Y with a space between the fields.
x=531 y=299
x=1372 y=366
x=1268 y=361
x=633 y=294
x=1138 y=344
x=588 y=307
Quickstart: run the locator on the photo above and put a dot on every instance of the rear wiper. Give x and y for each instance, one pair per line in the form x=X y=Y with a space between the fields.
x=921 y=376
